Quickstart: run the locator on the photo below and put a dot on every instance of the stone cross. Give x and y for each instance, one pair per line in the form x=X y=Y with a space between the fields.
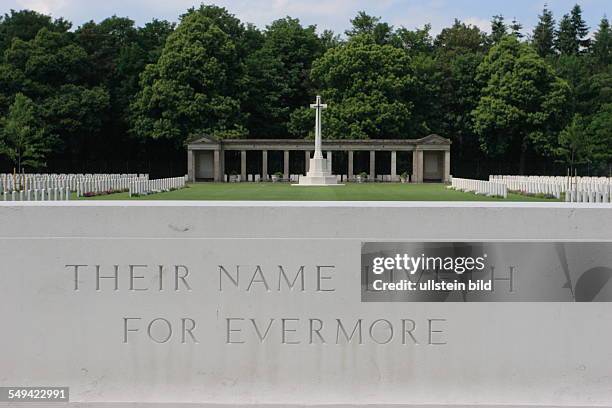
x=319 y=107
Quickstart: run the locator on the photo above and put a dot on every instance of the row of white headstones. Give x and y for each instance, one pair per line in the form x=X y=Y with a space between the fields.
x=574 y=189
x=144 y=187
x=45 y=187
x=480 y=187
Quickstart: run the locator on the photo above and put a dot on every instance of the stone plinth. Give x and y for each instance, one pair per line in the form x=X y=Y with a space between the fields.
x=319 y=174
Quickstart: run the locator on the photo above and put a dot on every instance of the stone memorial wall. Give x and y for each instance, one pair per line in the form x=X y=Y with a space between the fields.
x=260 y=304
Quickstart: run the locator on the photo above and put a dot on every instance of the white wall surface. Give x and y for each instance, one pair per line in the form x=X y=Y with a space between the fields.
x=556 y=354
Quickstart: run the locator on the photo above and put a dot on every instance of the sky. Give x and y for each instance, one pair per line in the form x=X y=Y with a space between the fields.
x=326 y=14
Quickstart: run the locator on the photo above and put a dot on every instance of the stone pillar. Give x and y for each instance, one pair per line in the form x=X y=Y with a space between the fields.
x=417 y=166
x=350 y=165
x=372 y=165
x=217 y=174
x=191 y=163
x=243 y=165
x=329 y=161
x=264 y=164
x=306 y=161
x=393 y=166
x=286 y=165
x=447 y=166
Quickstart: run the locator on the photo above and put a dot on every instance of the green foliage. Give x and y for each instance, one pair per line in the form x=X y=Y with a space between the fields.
x=363 y=23
x=25 y=24
x=498 y=29
x=497 y=97
x=368 y=88
x=572 y=35
x=600 y=133
x=460 y=38
x=515 y=29
x=415 y=42
x=580 y=28
x=544 y=34
x=198 y=84
x=51 y=70
x=522 y=102
x=282 y=69
x=574 y=144
x=602 y=43
x=566 y=42
x=459 y=51
x=22 y=140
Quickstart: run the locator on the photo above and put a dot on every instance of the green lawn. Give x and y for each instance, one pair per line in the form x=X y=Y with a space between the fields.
x=286 y=192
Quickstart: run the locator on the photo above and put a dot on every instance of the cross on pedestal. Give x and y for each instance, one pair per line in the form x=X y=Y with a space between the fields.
x=318 y=106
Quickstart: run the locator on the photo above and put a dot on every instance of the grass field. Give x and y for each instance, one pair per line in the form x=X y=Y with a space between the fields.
x=286 y=192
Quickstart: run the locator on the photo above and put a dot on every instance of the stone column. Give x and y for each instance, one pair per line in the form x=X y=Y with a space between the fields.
x=393 y=166
x=447 y=166
x=286 y=165
x=306 y=161
x=217 y=174
x=243 y=165
x=264 y=164
x=350 y=164
x=417 y=166
x=372 y=165
x=191 y=163
x=329 y=161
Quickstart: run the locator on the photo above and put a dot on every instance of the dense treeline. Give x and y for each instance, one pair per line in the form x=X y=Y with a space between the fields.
x=112 y=96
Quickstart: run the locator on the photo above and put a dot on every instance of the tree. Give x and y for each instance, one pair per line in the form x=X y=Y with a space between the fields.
x=329 y=40
x=367 y=86
x=566 y=37
x=522 y=103
x=22 y=141
x=198 y=84
x=574 y=144
x=580 y=28
x=459 y=51
x=544 y=34
x=52 y=71
x=515 y=28
x=460 y=38
x=416 y=42
x=602 y=43
x=286 y=80
x=600 y=132
x=266 y=89
x=498 y=29
x=25 y=24
x=572 y=35
x=363 y=23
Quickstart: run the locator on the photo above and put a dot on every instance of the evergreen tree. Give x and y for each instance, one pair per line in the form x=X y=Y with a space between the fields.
x=515 y=28
x=566 y=37
x=544 y=34
x=580 y=28
x=602 y=43
x=498 y=29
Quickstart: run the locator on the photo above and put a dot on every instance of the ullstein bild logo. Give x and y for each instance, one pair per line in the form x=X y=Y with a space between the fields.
x=429 y=264
x=486 y=272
